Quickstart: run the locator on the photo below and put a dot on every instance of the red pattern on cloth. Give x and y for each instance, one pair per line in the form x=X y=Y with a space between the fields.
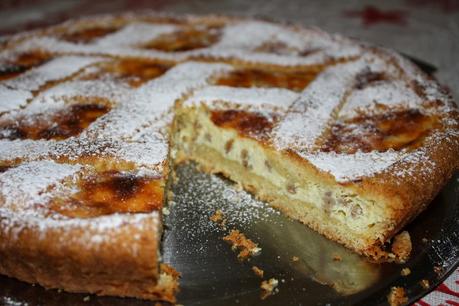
x=446 y=6
x=371 y=15
x=445 y=294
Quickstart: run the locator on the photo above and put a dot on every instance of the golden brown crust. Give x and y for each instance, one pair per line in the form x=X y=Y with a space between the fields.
x=125 y=264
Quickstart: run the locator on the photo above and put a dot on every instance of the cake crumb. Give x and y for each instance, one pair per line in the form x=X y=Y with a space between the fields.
x=401 y=246
x=86 y=298
x=258 y=272
x=269 y=287
x=295 y=258
x=337 y=258
x=166 y=269
x=424 y=240
x=240 y=242
x=217 y=217
x=173 y=279
x=397 y=296
x=425 y=283
x=405 y=272
x=170 y=195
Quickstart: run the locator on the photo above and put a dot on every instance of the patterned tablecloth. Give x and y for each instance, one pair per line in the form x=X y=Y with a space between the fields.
x=425 y=29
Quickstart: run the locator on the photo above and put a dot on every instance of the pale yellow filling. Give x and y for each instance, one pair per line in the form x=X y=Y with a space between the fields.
x=341 y=206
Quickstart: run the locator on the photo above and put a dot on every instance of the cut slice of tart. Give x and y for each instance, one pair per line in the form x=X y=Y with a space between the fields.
x=85 y=230
x=356 y=155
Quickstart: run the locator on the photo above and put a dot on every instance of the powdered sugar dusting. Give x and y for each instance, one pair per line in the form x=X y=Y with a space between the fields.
x=350 y=167
x=313 y=110
x=200 y=195
x=135 y=128
x=134 y=34
x=251 y=97
x=251 y=34
x=12 y=98
x=56 y=69
x=28 y=183
x=392 y=93
x=233 y=43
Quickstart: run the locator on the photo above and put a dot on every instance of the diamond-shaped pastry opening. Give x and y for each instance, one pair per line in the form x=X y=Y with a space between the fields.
x=368 y=77
x=250 y=124
x=63 y=124
x=295 y=80
x=135 y=72
x=88 y=35
x=4 y=168
x=185 y=40
x=22 y=63
x=281 y=48
x=393 y=129
x=111 y=192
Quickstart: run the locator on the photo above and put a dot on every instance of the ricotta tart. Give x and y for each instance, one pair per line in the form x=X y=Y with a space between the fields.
x=351 y=139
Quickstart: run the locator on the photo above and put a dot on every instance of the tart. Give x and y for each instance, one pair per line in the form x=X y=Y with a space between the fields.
x=351 y=139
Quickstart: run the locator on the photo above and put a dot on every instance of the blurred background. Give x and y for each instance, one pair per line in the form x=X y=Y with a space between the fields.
x=425 y=29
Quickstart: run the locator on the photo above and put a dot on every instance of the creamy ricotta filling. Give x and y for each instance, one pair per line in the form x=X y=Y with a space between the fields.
x=344 y=206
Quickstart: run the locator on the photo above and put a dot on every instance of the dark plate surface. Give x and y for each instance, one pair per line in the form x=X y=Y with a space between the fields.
x=212 y=274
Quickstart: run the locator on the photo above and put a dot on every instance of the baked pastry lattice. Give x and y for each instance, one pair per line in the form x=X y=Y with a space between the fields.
x=351 y=139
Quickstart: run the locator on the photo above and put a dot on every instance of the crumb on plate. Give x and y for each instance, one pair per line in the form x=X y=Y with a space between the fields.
x=402 y=246
x=240 y=242
x=397 y=296
x=269 y=287
x=258 y=272
x=217 y=217
x=438 y=270
x=405 y=272
x=337 y=258
x=424 y=283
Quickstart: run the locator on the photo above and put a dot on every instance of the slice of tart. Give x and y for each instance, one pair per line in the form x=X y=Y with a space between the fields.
x=355 y=154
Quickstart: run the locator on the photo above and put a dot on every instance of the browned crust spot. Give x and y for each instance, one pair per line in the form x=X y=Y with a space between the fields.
x=112 y=192
x=63 y=124
x=249 y=124
x=393 y=129
x=186 y=39
x=88 y=35
x=256 y=77
x=134 y=72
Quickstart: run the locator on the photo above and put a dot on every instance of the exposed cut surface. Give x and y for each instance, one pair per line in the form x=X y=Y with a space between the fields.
x=352 y=140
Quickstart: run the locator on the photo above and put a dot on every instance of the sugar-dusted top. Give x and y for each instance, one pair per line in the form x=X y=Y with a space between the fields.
x=99 y=93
